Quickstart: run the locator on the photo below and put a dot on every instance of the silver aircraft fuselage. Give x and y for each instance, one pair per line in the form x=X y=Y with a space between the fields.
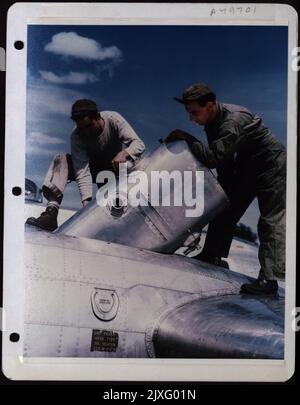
x=90 y=298
x=108 y=285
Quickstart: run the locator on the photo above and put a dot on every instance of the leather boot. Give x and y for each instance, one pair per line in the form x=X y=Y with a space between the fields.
x=260 y=287
x=47 y=220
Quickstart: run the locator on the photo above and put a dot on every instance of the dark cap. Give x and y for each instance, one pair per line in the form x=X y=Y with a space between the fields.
x=83 y=107
x=196 y=92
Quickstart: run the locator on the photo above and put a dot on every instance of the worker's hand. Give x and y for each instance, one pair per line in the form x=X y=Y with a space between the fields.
x=120 y=157
x=85 y=202
x=178 y=135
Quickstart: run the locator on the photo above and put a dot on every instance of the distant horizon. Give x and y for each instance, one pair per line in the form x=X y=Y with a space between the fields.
x=137 y=70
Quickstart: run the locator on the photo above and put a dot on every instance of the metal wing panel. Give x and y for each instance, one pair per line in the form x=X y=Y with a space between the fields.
x=222 y=327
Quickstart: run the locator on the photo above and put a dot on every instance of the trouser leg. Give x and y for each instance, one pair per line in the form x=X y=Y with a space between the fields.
x=271 y=227
x=59 y=173
x=221 y=230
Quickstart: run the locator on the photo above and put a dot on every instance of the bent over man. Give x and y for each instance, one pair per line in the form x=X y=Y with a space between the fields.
x=96 y=145
x=250 y=163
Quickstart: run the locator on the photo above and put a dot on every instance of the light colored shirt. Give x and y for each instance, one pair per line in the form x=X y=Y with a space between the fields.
x=116 y=132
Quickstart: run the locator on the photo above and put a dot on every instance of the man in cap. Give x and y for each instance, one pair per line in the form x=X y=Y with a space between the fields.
x=96 y=145
x=250 y=163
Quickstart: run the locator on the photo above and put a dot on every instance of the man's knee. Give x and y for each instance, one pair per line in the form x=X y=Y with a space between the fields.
x=56 y=178
x=59 y=161
x=62 y=162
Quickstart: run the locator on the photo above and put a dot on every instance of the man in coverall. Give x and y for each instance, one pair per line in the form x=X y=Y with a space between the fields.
x=96 y=145
x=250 y=163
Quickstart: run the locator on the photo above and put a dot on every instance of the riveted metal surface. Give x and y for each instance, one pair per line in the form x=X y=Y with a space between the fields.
x=230 y=327
x=159 y=228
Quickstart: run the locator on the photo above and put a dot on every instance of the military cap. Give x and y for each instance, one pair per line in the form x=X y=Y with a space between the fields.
x=83 y=107
x=196 y=92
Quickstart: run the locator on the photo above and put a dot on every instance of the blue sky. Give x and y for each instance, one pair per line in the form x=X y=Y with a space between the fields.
x=137 y=70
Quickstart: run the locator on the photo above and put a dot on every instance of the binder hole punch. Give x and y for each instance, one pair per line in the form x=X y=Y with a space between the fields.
x=16 y=191
x=14 y=337
x=19 y=45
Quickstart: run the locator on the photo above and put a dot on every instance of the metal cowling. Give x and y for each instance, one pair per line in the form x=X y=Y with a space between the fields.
x=158 y=228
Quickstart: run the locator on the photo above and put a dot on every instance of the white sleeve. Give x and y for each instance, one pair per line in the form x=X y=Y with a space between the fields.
x=127 y=135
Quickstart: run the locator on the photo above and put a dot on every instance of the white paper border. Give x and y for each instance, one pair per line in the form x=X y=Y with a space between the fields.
x=14 y=366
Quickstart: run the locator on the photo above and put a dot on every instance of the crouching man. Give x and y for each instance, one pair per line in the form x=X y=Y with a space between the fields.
x=251 y=163
x=96 y=145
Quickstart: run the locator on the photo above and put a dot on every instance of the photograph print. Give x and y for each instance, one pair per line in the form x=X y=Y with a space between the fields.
x=155 y=204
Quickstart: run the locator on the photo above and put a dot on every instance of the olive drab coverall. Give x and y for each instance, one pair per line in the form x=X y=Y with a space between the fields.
x=250 y=162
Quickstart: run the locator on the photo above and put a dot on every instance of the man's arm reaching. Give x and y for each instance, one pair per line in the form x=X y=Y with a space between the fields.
x=127 y=135
x=222 y=149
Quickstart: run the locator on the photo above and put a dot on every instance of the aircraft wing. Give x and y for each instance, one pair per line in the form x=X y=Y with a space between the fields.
x=234 y=326
x=90 y=298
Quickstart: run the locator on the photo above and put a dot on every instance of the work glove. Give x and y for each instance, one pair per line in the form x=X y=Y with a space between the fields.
x=179 y=135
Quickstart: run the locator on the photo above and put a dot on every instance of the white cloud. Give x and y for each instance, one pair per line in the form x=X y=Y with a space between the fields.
x=38 y=150
x=39 y=138
x=46 y=99
x=48 y=125
x=74 y=45
x=71 y=78
x=39 y=143
x=107 y=67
